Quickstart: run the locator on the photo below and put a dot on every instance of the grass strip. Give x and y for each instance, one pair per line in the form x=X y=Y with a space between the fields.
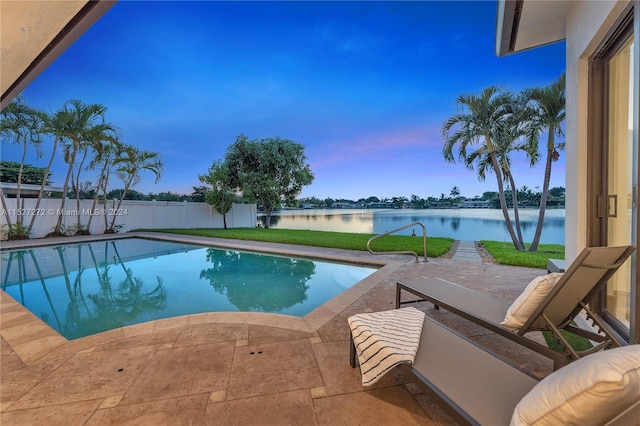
x=506 y=254
x=436 y=246
x=578 y=343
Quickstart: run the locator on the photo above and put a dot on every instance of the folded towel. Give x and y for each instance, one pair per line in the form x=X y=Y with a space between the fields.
x=385 y=339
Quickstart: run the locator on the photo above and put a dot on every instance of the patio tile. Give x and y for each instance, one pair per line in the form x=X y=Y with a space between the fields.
x=74 y=413
x=152 y=339
x=433 y=410
x=207 y=333
x=87 y=375
x=259 y=334
x=17 y=382
x=174 y=411
x=286 y=408
x=387 y=406
x=338 y=375
x=273 y=367
x=182 y=371
x=39 y=346
x=9 y=359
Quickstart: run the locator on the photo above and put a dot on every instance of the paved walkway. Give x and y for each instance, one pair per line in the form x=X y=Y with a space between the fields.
x=467 y=252
x=234 y=368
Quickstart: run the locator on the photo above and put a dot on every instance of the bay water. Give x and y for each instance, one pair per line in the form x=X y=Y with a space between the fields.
x=459 y=224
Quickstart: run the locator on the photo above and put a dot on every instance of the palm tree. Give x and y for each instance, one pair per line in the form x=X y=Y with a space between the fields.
x=106 y=153
x=21 y=124
x=477 y=124
x=129 y=168
x=56 y=125
x=510 y=138
x=550 y=113
x=81 y=129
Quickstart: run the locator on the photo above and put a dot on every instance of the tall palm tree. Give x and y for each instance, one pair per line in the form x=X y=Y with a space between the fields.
x=476 y=125
x=129 y=168
x=21 y=124
x=94 y=139
x=106 y=153
x=56 y=125
x=80 y=131
x=511 y=138
x=550 y=114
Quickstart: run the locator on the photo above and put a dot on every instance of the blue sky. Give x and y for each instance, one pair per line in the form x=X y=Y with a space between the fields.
x=365 y=86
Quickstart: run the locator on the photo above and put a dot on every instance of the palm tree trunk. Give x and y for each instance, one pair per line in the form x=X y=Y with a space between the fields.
x=543 y=198
x=124 y=193
x=19 y=217
x=65 y=189
x=95 y=197
x=6 y=210
x=516 y=214
x=43 y=184
x=503 y=202
x=77 y=180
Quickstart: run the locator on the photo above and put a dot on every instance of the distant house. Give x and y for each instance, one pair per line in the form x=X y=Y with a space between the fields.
x=475 y=204
x=10 y=190
x=380 y=205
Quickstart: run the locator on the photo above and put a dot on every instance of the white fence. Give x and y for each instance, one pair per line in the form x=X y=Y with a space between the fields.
x=131 y=215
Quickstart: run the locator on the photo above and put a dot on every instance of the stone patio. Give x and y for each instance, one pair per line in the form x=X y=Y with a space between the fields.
x=237 y=368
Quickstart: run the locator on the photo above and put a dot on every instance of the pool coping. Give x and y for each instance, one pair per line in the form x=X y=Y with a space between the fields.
x=32 y=339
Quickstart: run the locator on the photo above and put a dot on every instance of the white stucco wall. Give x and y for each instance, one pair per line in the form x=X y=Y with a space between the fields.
x=132 y=215
x=587 y=24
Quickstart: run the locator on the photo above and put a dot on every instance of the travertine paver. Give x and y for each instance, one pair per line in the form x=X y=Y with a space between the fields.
x=200 y=369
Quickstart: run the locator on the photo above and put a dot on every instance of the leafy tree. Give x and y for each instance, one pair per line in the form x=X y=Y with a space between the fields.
x=557 y=191
x=550 y=113
x=329 y=202
x=198 y=194
x=268 y=171
x=32 y=175
x=130 y=194
x=476 y=124
x=220 y=193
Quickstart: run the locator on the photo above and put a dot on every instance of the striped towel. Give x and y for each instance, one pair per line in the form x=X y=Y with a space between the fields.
x=385 y=339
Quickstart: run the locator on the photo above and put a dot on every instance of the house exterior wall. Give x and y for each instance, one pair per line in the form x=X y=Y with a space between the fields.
x=587 y=24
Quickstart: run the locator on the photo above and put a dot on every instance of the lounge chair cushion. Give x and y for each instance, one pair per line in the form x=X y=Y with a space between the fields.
x=535 y=292
x=591 y=390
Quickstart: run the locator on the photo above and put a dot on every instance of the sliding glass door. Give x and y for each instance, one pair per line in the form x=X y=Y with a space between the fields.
x=621 y=174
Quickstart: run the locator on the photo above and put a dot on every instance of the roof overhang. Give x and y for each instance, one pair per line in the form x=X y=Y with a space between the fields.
x=525 y=24
x=34 y=33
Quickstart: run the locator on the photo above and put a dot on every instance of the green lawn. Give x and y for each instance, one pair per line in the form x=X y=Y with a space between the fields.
x=506 y=254
x=435 y=246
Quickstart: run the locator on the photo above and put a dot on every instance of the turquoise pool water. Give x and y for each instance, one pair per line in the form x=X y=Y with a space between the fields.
x=83 y=289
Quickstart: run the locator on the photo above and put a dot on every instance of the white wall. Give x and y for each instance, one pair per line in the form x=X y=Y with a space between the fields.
x=133 y=215
x=587 y=24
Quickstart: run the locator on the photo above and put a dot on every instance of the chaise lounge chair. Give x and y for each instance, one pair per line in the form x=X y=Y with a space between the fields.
x=536 y=310
x=475 y=386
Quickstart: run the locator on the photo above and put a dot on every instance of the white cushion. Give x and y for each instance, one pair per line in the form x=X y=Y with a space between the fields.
x=535 y=292
x=591 y=390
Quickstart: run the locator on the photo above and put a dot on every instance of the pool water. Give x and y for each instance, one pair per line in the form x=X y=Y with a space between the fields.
x=83 y=289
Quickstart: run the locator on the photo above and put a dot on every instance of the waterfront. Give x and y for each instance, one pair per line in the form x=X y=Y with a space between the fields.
x=459 y=224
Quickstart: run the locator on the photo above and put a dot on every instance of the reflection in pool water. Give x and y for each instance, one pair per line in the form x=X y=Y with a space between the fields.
x=83 y=289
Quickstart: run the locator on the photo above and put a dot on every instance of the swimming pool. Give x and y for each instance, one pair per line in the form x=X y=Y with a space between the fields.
x=87 y=288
